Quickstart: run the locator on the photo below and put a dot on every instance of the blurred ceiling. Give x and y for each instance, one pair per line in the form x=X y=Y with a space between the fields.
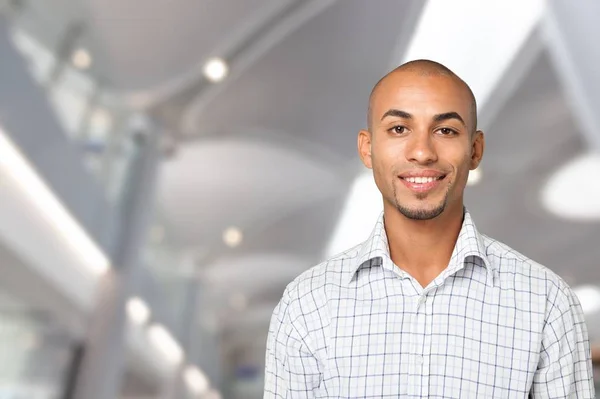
x=271 y=150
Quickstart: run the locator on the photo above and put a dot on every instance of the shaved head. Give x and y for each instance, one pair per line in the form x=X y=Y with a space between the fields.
x=424 y=68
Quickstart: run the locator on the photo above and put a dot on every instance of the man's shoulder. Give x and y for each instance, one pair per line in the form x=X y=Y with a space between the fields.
x=332 y=273
x=516 y=267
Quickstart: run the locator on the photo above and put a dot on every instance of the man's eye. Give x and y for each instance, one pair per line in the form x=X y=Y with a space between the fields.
x=398 y=129
x=447 y=132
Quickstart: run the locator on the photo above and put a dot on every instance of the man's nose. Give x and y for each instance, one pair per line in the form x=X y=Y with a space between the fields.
x=420 y=148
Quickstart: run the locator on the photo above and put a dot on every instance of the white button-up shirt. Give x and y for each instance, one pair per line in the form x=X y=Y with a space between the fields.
x=494 y=324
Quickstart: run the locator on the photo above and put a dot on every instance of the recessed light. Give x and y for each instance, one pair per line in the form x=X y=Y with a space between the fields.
x=138 y=311
x=215 y=70
x=81 y=59
x=195 y=380
x=165 y=343
x=232 y=237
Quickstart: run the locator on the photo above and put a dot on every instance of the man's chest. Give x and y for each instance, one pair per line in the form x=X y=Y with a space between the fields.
x=433 y=345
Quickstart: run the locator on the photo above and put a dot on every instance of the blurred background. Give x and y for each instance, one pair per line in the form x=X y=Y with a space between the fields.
x=167 y=167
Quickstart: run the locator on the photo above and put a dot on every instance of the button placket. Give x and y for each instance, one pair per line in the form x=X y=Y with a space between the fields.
x=419 y=338
x=426 y=348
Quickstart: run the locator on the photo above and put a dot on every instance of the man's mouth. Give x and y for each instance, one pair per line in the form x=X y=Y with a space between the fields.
x=422 y=182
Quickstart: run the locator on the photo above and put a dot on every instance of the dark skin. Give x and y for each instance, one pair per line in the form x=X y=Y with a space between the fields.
x=421 y=124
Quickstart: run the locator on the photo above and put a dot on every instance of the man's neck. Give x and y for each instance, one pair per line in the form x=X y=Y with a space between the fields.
x=422 y=248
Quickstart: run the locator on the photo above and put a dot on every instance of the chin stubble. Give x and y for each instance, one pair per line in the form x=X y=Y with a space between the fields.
x=420 y=214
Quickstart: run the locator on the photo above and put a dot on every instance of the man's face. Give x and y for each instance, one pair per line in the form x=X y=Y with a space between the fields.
x=421 y=146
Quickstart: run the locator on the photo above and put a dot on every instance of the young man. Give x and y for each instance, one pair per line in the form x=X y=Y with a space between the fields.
x=427 y=307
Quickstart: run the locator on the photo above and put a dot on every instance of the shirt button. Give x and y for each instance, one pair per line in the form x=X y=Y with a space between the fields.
x=419 y=360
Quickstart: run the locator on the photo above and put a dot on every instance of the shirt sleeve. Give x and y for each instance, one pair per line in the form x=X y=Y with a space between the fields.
x=291 y=369
x=565 y=366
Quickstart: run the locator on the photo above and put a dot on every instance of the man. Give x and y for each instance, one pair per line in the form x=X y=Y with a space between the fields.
x=427 y=307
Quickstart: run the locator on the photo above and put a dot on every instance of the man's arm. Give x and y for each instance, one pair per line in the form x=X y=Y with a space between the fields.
x=291 y=369
x=565 y=367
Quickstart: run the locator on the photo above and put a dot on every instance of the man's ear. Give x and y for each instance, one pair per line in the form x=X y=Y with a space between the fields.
x=477 y=149
x=364 y=148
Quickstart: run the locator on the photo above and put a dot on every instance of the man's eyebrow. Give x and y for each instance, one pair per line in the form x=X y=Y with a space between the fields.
x=398 y=113
x=448 y=115
x=436 y=118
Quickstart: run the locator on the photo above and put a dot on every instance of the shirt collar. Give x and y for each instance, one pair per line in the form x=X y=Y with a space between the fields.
x=469 y=244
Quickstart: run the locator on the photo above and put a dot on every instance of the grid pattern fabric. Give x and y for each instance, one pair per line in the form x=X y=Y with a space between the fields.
x=493 y=324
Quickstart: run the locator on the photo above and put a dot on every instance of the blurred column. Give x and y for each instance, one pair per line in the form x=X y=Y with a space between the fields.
x=572 y=32
x=199 y=340
x=103 y=364
x=175 y=387
x=205 y=345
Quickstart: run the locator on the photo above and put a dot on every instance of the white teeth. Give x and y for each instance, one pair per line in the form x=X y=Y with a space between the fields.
x=421 y=180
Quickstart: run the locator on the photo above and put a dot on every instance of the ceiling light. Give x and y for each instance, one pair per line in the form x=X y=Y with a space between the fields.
x=215 y=70
x=238 y=302
x=81 y=59
x=16 y=166
x=165 y=343
x=474 y=177
x=589 y=296
x=195 y=380
x=138 y=311
x=571 y=193
x=232 y=237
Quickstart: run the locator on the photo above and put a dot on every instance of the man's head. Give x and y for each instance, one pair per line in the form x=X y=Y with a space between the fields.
x=422 y=138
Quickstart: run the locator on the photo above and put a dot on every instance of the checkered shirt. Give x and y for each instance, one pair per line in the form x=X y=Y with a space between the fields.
x=493 y=324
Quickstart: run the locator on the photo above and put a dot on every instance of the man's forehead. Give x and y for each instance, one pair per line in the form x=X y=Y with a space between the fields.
x=410 y=89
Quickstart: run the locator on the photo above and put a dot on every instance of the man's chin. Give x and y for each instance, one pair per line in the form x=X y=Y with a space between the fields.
x=421 y=212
